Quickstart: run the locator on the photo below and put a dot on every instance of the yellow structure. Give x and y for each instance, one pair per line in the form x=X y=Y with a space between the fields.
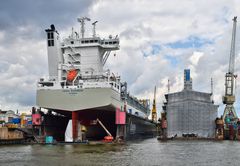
x=23 y=115
x=154 y=110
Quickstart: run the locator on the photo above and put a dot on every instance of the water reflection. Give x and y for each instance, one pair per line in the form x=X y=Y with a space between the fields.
x=146 y=152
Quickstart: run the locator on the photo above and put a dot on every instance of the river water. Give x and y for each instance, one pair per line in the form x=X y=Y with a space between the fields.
x=141 y=152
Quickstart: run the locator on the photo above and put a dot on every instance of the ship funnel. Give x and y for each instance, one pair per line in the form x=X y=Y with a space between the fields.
x=53 y=50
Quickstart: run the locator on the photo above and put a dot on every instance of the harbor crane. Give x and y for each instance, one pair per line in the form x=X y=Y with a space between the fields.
x=229 y=116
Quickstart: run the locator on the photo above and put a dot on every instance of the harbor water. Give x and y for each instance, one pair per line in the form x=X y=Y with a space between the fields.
x=142 y=152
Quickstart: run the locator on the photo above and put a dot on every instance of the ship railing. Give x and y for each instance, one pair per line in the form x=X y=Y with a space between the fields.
x=47 y=82
x=102 y=84
x=48 y=85
x=96 y=82
x=138 y=113
x=52 y=79
x=135 y=103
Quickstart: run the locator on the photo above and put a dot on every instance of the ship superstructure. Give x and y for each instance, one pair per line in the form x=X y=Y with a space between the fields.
x=80 y=88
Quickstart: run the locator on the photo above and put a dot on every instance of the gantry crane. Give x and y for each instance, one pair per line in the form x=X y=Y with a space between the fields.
x=154 y=110
x=229 y=116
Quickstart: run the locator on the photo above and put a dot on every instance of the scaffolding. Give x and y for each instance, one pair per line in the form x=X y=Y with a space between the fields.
x=190 y=112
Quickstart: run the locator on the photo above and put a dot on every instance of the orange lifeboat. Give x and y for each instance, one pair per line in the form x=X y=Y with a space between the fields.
x=71 y=75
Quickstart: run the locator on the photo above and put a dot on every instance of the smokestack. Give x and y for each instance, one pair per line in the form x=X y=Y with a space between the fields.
x=53 y=49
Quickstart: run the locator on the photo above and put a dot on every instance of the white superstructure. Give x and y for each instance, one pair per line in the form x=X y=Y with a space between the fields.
x=86 y=55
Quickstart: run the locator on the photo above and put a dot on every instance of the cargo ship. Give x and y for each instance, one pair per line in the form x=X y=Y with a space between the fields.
x=95 y=102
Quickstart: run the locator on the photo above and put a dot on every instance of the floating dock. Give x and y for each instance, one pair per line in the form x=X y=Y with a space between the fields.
x=189 y=113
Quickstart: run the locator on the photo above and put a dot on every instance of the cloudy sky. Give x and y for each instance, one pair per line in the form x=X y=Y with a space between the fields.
x=159 y=39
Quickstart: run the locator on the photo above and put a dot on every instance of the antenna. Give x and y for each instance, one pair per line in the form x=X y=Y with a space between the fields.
x=155 y=89
x=77 y=35
x=212 y=86
x=72 y=32
x=94 y=28
x=168 y=86
x=212 y=90
x=82 y=22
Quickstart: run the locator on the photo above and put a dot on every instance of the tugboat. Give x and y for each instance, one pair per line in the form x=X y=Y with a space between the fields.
x=82 y=90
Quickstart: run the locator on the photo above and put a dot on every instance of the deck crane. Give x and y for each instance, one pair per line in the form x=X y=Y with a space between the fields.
x=229 y=116
x=154 y=110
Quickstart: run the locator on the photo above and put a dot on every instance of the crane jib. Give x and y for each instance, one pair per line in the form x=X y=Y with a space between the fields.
x=232 y=51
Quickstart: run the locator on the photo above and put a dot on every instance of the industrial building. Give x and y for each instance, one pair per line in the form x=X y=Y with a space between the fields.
x=190 y=113
x=7 y=116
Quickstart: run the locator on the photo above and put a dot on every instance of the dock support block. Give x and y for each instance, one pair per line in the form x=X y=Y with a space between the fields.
x=74 y=125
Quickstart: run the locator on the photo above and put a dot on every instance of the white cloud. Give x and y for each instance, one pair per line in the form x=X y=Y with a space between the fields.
x=20 y=68
x=140 y=24
x=2 y=35
x=195 y=58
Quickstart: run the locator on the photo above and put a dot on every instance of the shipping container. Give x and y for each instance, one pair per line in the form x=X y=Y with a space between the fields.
x=16 y=120
x=49 y=139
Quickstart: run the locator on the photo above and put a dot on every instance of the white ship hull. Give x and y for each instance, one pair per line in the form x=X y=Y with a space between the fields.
x=92 y=104
x=78 y=99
